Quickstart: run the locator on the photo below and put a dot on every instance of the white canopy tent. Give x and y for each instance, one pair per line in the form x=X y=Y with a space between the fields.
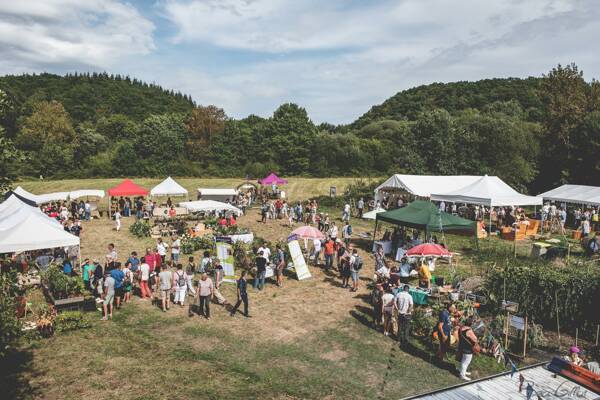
x=24 y=228
x=373 y=213
x=50 y=197
x=75 y=194
x=424 y=185
x=209 y=206
x=168 y=187
x=24 y=193
x=579 y=194
x=489 y=191
x=217 y=194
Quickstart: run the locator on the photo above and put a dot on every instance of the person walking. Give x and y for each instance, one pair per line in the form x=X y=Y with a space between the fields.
x=119 y=277
x=403 y=304
x=108 y=296
x=261 y=270
x=444 y=328
x=242 y=295
x=388 y=307
x=117 y=217
x=180 y=285
x=165 y=278
x=329 y=252
x=467 y=344
x=205 y=294
x=161 y=249
x=175 y=249
x=144 y=274
x=346 y=213
x=360 y=206
x=219 y=275
x=355 y=268
x=279 y=262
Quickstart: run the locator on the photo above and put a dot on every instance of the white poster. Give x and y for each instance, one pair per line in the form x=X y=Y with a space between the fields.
x=300 y=266
x=517 y=322
x=225 y=254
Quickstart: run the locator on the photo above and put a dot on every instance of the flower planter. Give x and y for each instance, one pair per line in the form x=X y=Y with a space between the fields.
x=70 y=303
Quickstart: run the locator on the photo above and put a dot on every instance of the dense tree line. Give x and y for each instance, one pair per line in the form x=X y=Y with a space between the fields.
x=535 y=133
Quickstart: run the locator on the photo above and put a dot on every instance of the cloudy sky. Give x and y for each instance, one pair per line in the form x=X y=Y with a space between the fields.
x=337 y=58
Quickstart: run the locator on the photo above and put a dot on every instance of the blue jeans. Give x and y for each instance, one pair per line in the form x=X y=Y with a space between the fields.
x=259 y=280
x=87 y=215
x=328 y=261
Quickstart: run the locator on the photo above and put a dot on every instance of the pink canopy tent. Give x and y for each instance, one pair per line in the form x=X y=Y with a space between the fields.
x=271 y=179
x=308 y=232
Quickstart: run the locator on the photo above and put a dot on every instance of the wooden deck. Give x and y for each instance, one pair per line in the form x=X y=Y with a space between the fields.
x=546 y=384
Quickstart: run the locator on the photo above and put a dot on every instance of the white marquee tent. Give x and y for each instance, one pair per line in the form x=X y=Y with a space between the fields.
x=168 y=187
x=25 y=194
x=373 y=213
x=217 y=194
x=75 y=194
x=24 y=228
x=50 y=197
x=424 y=185
x=579 y=194
x=490 y=191
x=209 y=206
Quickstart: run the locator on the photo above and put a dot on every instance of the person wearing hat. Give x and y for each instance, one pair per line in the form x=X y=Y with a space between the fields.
x=573 y=356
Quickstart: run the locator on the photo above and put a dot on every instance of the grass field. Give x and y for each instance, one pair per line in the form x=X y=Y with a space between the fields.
x=310 y=339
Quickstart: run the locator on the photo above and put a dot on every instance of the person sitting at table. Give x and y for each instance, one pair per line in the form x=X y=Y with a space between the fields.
x=383 y=271
x=424 y=276
x=394 y=277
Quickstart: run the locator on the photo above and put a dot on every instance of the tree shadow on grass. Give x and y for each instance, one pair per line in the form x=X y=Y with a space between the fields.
x=13 y=383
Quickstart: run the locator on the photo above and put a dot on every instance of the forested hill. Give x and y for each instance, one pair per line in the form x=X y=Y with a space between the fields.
x=534 y=133
x=456 y=96
x=89 y=97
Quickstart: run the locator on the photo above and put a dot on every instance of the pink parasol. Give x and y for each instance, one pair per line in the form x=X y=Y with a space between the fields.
x=428 y=250
x=308 y=232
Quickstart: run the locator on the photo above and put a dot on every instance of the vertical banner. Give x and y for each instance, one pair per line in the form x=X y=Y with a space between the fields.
x=225 y=254
x=300 y=266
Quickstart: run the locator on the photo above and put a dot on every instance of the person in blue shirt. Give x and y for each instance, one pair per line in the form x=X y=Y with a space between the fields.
x=242 y=286
x=444 y=330
x=135 y=261
x=67 y=267
x=119 y=276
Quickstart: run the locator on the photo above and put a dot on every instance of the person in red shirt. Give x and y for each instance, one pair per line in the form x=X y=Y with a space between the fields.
x=329 y=253
x=223 y=222
x=232 y=220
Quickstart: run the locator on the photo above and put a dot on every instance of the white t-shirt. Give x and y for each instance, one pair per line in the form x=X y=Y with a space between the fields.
x=388 y=301
x=384 y=271
x=117 y=216
x=403 y=301
x=145 y=271
x=317 y=244
x=161 y=248
x=175 y=246
x=266 y=252
x=347 y=208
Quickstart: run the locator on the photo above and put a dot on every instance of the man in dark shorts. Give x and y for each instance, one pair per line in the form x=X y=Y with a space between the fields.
x=119 y=276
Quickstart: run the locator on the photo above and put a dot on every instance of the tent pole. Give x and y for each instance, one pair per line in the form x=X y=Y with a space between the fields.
x=490 y=229
x=374 y=232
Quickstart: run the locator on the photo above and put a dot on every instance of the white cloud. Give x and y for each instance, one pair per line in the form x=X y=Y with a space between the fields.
x=339 y=60
x=70 y=33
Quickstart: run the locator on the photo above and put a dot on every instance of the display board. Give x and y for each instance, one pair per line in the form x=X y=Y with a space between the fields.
x=225 y=254
x=300 y=266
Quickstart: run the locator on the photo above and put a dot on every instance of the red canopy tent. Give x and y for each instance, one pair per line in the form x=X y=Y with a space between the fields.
x=127 y=188
x=272 y=178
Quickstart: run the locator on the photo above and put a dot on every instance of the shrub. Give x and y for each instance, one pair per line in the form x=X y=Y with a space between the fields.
x=10 y=326
x=140 y=229
x=191 y=244
x=537 y=285
x=61 y=285
x=70 y=320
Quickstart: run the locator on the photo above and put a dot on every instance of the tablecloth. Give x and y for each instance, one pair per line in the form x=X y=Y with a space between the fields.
x=387 y=246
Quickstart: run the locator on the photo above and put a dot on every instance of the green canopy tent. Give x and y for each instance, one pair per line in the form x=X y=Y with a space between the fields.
x=424 y=215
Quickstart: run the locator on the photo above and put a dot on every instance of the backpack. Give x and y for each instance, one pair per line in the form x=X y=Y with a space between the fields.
x=349 y=230
x=358 y=263
x=180 y=280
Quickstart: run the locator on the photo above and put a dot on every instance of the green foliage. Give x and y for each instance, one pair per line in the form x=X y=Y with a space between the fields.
x=61 y=285
x=140 y=229
x=190 y=244
x=542 y=290
x=70 y=320
x=422 y=323
x=10 y=326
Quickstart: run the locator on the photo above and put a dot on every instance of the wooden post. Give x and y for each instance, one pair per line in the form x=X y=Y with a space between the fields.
x=507 y=325
x=568 y=253
x=557 y=323
x=576 y=336
x=597 y=333
x=525 y=338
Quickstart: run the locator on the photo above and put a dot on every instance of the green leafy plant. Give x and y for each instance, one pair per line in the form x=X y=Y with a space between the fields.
x=422 y=322
x=61 y=285
x=70 y=320
x=140 y=229
x=191 y=244
x=10 y=326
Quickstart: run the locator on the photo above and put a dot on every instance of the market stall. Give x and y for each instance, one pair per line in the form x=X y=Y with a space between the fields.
x=209 y=206
x=274 y=181
x=168 y=187
x=125 y=189
x=216 y=194
x=577 y=194
x=423 y=185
